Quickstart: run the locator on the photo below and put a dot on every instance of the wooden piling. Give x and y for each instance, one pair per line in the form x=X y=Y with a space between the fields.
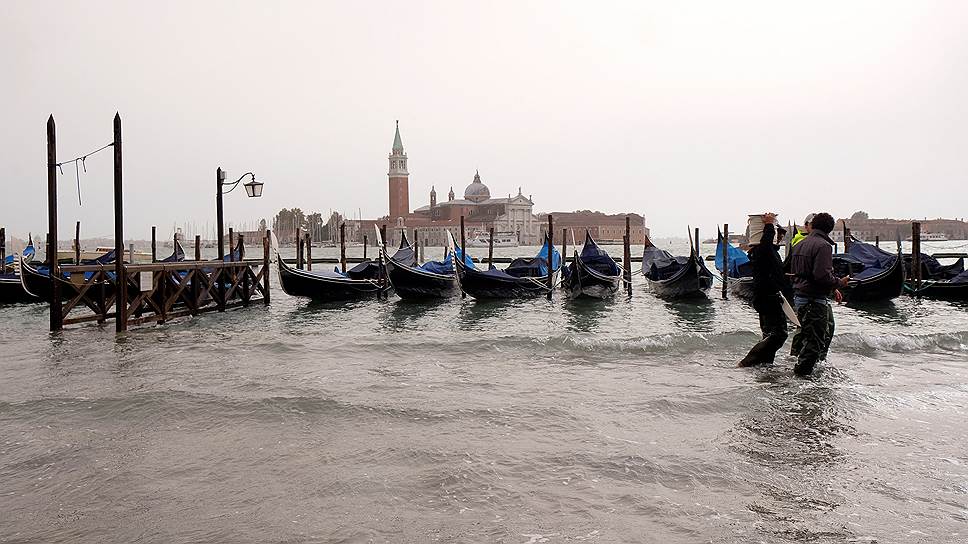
x=463 y=249
x=697 y=242
x=198 y=247
x=3 y=250
x=416 y=245
x=365 y=241
x=877 y=241
x=231 y=244
x=77 y=242
x=154 y=244
x=299 y=248
x=56 y=309
x=342 y=247
x=265 y=265
x=490 y=248
x=121 y=316
x=846 y=238
x=383 y=269
x=725 y=250
x=564 y=246
x=916 y=254
x=551 y=253
x=627 y=255
x=309 y=250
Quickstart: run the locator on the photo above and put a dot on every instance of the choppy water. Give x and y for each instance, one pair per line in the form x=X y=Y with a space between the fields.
x=535 y=421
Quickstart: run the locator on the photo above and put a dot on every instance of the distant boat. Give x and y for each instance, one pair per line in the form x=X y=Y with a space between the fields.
x=932 y=237
x=501 y=239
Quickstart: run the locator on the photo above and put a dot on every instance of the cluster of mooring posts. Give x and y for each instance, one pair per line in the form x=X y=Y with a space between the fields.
x=134 y=293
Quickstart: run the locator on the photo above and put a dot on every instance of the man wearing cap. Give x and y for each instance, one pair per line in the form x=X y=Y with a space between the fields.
x=799 y=235
x=814 y=281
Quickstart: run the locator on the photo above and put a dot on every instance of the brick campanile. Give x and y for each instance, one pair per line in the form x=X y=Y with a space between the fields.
x=399 y=179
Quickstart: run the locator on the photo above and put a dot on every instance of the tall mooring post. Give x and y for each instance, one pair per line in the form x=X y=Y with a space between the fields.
x=627 y=255
x=3 y=250
x=846 y=238
x=56 y=309
x=219 y=179
x=551 y=251
x=697 y=242
x=725 y=251
x=299 y=248
x=490 y=248
x=564 y=247
x=154 y=244
x=383 y=267
x=463 y=249
x=198 y=247
x=121 y=319
x=77 y=243
x=265 y=264
x=365 y=241
x=231 y=244
x=309 y=251
x=916 y=254
x=342 y=247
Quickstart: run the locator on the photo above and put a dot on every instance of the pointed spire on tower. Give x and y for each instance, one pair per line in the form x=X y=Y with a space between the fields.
x=397 y=142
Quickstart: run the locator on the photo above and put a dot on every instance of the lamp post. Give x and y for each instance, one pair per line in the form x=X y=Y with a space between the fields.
x=253 y=189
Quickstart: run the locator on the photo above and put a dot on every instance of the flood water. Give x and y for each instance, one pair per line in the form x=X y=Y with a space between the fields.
x=461 y=421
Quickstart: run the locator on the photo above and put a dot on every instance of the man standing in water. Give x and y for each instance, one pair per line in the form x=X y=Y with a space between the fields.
x=814 y=280
x=770 y=285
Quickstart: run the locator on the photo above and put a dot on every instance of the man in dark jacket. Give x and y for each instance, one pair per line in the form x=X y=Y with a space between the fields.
x=769 y=286
x=814 y=281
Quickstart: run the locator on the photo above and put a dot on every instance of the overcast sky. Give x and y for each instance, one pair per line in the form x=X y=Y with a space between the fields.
x=689 y=113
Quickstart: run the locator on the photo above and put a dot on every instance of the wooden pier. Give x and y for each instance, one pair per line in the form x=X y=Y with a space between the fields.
x=133 y=294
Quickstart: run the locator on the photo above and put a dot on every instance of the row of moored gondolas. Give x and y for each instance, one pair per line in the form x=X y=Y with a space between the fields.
x=876 y=275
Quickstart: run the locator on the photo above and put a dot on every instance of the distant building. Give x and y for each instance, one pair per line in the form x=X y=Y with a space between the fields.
x=604 y=228
x=512 y=215
x=868 y=229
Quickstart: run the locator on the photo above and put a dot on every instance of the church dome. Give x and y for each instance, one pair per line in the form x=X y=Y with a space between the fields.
x=477 y=191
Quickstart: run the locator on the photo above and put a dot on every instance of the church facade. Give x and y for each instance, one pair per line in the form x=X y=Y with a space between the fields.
x=512 y=215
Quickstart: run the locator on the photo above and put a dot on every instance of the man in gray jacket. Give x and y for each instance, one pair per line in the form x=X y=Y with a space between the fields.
x=813 y=282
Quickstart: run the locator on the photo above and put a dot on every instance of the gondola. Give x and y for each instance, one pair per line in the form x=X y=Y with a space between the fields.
x=431 y=280
x=875 y=274
x=592 y=273
x=674 y=277
x=945 y=282
x=523 y=278
x=739 y=279
x=360 y=282
x=11 y=289
x=35 y=278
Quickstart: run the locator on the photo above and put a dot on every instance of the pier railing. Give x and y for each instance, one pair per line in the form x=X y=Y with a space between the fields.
x=158 y=292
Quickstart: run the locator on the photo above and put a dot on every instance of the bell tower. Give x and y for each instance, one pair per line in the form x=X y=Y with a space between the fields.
x=399 y=179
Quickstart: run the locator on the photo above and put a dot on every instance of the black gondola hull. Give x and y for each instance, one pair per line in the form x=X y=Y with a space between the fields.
x=741 y=288
x=485 y=287
x=12 y=290
x=296 y=283
x=413 y=284
x=941 y=290
x=581 y=282
x=691 y=281
x=887 y=285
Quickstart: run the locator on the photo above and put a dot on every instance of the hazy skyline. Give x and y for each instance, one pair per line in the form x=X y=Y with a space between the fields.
x=691 y=114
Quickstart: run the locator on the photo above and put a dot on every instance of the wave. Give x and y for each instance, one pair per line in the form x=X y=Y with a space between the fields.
x=867 y=343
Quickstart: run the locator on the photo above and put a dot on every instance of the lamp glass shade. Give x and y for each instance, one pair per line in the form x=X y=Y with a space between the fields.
x=253 y=188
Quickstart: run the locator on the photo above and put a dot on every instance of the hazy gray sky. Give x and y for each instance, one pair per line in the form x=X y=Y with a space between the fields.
x=690 y=113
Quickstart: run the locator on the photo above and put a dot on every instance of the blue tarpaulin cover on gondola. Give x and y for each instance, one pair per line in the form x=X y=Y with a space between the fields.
x=737 y=260
x=445 y=267
x=597 y=259
x=543 y=257
x=872 y=260
x=468 y=261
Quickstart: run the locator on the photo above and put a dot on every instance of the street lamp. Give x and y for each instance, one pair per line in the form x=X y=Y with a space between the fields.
x=253 y=189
